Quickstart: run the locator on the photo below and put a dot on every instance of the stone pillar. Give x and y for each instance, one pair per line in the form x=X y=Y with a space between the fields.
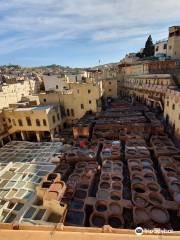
x=38 y=136
x=1 y=143
x=23 y=135
x=52 y=135
x=9 y=138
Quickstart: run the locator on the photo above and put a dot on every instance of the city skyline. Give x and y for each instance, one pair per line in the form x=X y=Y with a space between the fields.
x=79 y=33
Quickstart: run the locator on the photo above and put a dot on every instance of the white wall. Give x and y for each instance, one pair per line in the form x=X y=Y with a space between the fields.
x=159 y=48
x=54 y=83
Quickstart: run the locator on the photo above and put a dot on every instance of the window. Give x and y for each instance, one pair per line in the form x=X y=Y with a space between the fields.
x=168 y=103
x=89 y=91
x=89 y=101
x=157 y=48
x=28 y=120
x=9 y=120
x=57 y=87
x=72 y=112
x=44 y=122
x=54 y=119
x=68 y=113
x=170 y=47
x=38 y=122
x=58 y=116
x=173 y=106
x=14 y=122
x=109 y=83
x=77 y=90
x=179 y=116
x=20 y=122
x=109 y=90
x=82 y=106
x=44 y=100
x=165 y=46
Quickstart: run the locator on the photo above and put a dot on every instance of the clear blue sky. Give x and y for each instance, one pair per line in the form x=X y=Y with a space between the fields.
x=80 y=32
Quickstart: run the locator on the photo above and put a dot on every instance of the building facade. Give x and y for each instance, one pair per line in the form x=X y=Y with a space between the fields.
x=12 y=93
x=33 y=123
x=173 y=49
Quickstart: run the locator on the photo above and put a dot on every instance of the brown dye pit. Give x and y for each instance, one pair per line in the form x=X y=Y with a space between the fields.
x=159 y=215
x=80 y=194
x=138 y=189
x=104 y=185
x=149 y=177
x=115 y=222
x=153 y=187
x=105 y=177
x=175 y=187
x=116 y=178
x=115 y=208
x=46 y=184
x=136 y=180
x=101 y=207
x=116 y=186
x=115 y=196
x=102 y=194
x=140 y=201
x=141 y=215
x=155 y=199
x=98 y=221
x=84 y=186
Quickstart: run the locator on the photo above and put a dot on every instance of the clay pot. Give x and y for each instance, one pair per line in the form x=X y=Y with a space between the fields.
x=159 y=215
x=155 y=198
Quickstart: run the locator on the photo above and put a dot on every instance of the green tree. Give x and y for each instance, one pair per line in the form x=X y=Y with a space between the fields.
x=149 y=47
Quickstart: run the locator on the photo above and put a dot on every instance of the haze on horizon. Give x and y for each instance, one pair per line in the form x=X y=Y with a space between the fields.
x=78 y=33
